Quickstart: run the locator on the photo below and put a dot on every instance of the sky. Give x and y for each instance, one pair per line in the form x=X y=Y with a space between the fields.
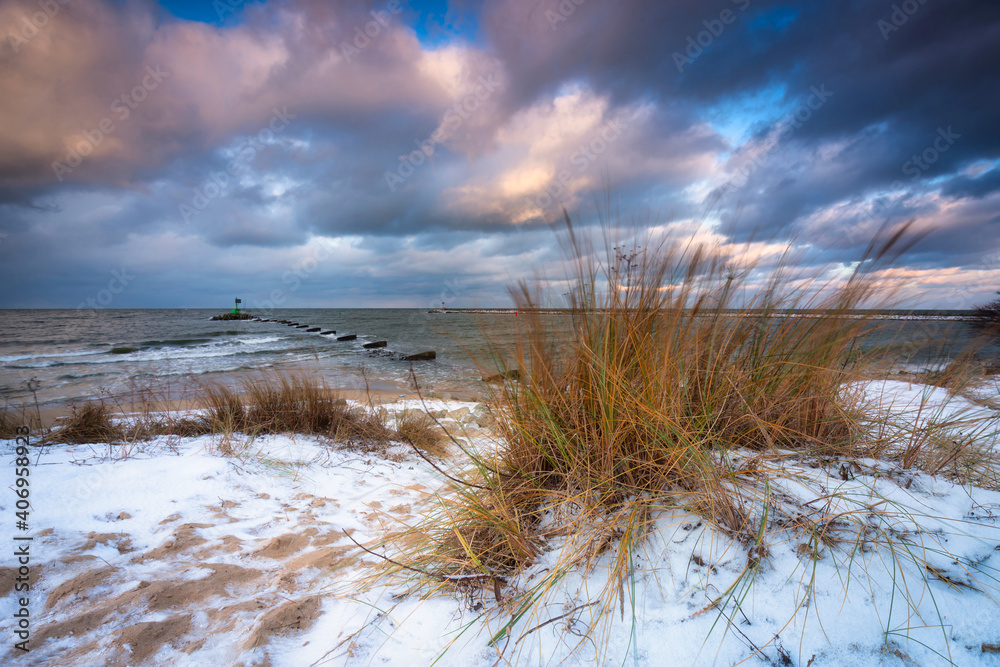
x=307 y=153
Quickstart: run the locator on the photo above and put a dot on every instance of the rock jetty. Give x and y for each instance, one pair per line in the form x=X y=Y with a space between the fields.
x=234 y=316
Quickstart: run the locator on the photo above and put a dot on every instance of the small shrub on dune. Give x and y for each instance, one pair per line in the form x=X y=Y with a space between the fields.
x=987 y=316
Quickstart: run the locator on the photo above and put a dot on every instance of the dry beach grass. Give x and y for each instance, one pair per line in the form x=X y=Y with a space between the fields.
x=668 y=393
x=666 y=403
x=263 y=404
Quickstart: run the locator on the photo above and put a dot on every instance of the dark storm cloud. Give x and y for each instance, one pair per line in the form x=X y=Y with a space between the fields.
x=941 y=57
x=978 y=187
x=903 y=70
x=817 y=120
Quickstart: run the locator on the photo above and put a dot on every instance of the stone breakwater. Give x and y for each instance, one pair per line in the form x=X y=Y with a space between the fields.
x=235 y=316
x=372 y=347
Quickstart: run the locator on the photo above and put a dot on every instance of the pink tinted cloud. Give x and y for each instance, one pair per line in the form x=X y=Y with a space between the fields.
x=81 y=91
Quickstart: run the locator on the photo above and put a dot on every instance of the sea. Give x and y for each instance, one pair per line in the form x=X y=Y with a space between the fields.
x=65 y=357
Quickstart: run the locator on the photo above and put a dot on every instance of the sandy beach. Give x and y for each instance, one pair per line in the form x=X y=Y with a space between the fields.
x=173 y=552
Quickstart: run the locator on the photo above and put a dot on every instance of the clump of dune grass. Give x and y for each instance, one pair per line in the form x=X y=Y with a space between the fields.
x=650 y=385
x=153 y=425
x=667 y=385
x=261 y=404
x=147 y=414
x=277 y=404
x=89 y=423
x=124 y=423
x=13 y=417
x=940 y=438
x=301 y=403
x=419 y=429
x=11 y=420
x=7 y=424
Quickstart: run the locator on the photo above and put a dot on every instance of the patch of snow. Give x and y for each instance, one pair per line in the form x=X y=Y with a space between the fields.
x=245 y=559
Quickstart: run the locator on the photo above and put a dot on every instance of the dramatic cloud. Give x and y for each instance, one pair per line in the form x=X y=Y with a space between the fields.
x=376 y=153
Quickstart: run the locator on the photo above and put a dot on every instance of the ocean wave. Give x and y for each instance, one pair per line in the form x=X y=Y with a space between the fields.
x=175 y=342
x=53 y=355
x=156 y=350
x=82 y=376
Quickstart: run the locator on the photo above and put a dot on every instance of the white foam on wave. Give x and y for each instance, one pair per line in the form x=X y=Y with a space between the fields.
x=221 y=348
x=53 y=355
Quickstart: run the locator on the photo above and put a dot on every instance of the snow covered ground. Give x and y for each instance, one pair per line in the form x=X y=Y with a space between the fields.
x=179 y=555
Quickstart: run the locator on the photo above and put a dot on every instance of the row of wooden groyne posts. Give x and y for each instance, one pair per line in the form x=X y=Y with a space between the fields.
x=428 y=355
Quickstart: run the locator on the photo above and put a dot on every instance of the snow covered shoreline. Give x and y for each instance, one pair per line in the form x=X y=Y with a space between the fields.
x=179 y=555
